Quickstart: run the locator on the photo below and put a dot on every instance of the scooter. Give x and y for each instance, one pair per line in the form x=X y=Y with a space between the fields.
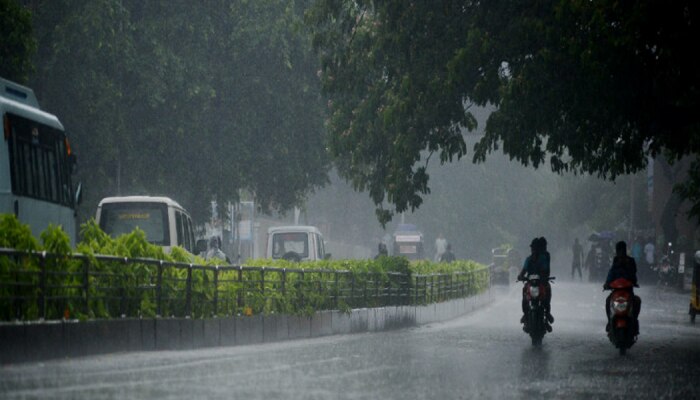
x=667 y=274
x=622 y=323
x=536 y=324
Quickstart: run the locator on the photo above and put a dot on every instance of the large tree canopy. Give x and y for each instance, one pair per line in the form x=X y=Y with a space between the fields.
x=194 y=100
x=17 y=44
x=593 y=87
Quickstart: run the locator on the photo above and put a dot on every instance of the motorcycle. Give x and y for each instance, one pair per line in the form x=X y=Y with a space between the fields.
x=536 y=324
x=622 y=323
x=667 y=274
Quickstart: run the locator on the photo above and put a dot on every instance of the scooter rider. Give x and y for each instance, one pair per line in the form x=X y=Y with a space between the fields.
x=537 y=263
x=623 y=266
x=215 y=251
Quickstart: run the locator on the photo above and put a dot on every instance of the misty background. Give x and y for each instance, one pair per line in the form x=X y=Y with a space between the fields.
x=222 y=101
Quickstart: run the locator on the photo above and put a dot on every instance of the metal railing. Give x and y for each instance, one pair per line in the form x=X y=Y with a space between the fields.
x=41 y=286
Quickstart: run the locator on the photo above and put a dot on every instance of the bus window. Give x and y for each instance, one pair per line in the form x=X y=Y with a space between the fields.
x=38 y=161
x=189 y=234
x=319 y=247
x=179 y=228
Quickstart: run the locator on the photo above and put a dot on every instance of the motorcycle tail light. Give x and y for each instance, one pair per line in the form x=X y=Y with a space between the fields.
x=534 y=291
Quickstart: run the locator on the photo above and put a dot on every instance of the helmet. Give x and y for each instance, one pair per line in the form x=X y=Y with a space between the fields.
x=621 y=247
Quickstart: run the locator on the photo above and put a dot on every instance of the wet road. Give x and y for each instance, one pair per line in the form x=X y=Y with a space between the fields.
x=482 y=355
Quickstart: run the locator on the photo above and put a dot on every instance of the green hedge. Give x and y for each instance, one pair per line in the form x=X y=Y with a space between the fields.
x=92 y=287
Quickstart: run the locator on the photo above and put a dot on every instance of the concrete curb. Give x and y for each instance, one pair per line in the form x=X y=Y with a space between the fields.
x=27 y=342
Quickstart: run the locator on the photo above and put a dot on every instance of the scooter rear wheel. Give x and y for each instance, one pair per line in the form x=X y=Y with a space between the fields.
x=621 y=339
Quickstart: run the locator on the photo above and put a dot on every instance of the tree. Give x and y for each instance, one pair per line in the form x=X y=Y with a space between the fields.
x=191 y=101
x=591 y=87
x=17 y=45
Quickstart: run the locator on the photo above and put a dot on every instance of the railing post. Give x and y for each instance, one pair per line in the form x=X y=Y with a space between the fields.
x=336 y=291
x=284 y=281
x=415 y=299
x=262 y=283
x=390 y=289
x=303 y=287
x=16 y=302
x=42 y=286
x=352 y=289
x=471 y=283
x=159 y=290
x=241 y=289
x=441 y=287
x=364 y=289
x=451 y=295
x=188 y=293
x=376 y=289
x=283 y=290
x=122 y=293
x=216 y=290
x=86 y=284
x=405 y=289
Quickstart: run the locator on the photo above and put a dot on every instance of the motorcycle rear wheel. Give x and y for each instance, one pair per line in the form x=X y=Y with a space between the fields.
x=536 y=326
x=621 y=339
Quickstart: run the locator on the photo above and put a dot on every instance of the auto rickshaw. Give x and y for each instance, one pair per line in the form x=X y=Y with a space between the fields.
x=694 y=294
x=408 y=242
x=500 y=267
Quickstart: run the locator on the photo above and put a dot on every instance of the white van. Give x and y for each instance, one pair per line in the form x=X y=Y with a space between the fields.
x=296 y=243
x=163 y=220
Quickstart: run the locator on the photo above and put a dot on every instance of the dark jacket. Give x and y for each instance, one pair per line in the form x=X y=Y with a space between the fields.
x=536 y=265
x=447 y=257
x=622 y=267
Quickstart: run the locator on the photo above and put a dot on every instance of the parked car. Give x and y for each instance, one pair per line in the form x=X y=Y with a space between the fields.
x=296 y=243
x=165 y=222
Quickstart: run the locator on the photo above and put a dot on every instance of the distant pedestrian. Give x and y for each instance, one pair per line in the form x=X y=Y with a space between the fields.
x=447 y=256
x=576 y=263
x=381 y=251
x=637 y=250
x=440 y=247
x=649 y=252
x=590 y=259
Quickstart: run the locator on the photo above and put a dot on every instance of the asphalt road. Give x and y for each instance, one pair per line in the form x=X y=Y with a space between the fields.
x=482 y=355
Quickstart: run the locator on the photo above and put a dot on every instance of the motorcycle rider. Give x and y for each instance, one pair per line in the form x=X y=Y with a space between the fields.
x=215 y=251
x=623 y=266
x=537 y=263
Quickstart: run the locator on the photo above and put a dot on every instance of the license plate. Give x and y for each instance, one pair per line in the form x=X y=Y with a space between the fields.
x=407 y=249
